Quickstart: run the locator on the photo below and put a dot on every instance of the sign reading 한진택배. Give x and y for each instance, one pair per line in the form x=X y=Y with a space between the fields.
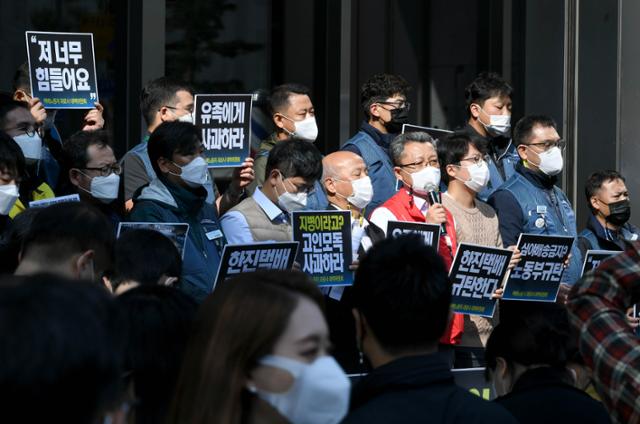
x=224 y=121
x=241 y=258
x=325 y=246
x=476 y=273
x=62 y=69
x=538 y=274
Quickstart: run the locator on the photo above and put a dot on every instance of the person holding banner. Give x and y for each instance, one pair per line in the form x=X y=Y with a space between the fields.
x=416 y=165
x=93 y=172
x=401 y=300
x=608 y=227
x=168 y=100
x=177 y=195
x=466 y=174
x=488 y=99
x=529 y=202
x=293 y=167
x=384 y=102
x=18 y=123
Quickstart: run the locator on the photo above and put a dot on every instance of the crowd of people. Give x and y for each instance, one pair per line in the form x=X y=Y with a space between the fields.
x=131 y=330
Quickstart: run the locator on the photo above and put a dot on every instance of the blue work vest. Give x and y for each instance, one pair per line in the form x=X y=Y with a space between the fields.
x=509 y=159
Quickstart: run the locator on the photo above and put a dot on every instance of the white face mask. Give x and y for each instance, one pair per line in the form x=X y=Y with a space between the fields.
x=195 y=173
x=105 y=188
x=31 y=146
x=478 y=176
x=362 y=192
x=426 y=180
x=551 y=162
x=307 y=129
x=319 y=395
x=498 y=124
x=8 y=196
x=187 y=117
x=291 y=202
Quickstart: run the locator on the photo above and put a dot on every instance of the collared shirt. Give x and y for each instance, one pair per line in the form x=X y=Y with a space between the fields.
x=381 y=216
x=597 y=308
x=235 y=226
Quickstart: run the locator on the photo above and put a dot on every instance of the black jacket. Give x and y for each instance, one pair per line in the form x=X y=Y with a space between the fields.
x=541 y=396
x=419 y=389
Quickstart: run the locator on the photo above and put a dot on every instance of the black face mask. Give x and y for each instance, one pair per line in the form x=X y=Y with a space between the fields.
x=619 y=212
x=399 y=117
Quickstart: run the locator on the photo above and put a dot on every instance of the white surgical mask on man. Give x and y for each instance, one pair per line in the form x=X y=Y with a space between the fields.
x=478 y=176
x=291 y=202
x=307 y=129
x=426 y=180
x=362 y=192
x=551 y=162
x=31 y=146
x=8 y=196
x=498 y=124
x=195 y=173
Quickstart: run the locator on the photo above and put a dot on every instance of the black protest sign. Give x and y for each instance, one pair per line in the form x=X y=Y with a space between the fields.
x=430 y=232
x=62 y=69
x=436 y=133
x=473 y=379
x=241 y=258
x=476 y=273
x=325 y=246
x=538 y=274
x=177 y=232
x=593 y=258
x=225 y=123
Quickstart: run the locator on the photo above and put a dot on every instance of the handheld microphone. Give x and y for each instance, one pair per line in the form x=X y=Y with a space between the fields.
x=434 y=197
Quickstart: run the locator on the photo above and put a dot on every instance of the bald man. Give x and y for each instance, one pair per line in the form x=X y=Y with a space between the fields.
x=348 y=187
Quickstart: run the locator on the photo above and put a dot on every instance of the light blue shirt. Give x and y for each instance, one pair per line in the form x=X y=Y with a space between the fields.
x=236 y=228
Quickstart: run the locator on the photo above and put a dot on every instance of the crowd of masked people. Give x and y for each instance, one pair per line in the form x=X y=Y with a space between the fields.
x=100 y=329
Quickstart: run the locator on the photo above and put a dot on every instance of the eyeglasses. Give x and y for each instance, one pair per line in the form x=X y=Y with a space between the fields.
x=399 y=104
x=188 y=110
x=308 y=189
x=421 y=165
x=477 y=160
x=29 y=130
x=549 y=144
x=107 y=170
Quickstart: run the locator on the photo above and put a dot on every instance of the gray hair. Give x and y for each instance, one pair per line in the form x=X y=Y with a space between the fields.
x=396 y=148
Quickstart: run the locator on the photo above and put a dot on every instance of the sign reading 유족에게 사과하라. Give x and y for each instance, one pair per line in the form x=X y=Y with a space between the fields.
x=62 y=69
x=476 y=273
x=325 y=246
x=224 y=121
x=538 y=274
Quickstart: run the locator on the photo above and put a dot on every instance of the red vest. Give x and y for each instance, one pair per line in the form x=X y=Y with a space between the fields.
x=403 y=208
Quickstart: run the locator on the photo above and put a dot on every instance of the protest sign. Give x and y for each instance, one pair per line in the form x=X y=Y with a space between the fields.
x=593 y=258
x=436 y=133
x=224 y=121
x=62 y=69
x=537 y=276
x=325 y=246
x=175 y=231
x=476 y=272
x=54 y=200
x=430 y=232
x=473 y=379
x=241 y=258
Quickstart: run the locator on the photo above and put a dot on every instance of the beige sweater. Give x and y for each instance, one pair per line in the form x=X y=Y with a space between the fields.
x=477 y=225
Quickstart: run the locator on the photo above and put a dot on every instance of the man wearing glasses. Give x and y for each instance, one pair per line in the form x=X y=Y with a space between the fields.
x=94 y=172
x=293 y=167
x=529 y=202
x=385 y=106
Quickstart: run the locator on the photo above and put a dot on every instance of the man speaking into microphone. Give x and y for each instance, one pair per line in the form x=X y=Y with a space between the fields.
x=415 y=163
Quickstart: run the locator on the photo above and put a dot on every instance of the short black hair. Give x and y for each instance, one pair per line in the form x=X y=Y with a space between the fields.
x=522 y=130
x=402 y=289
x=172 y=137
x=8 y=105
x=160 y=92
x=279 y=98
x=397 y=145
x=22 y=79
x=11 y=157
x=143 y=256
x=77 y=146
x=452 y=149
x=295 y=157
x=158 y=323
x=62 y=342
x=379 y=88
x=537 y=334
x=65 y=229
x=485 y=86
x=595 y=181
